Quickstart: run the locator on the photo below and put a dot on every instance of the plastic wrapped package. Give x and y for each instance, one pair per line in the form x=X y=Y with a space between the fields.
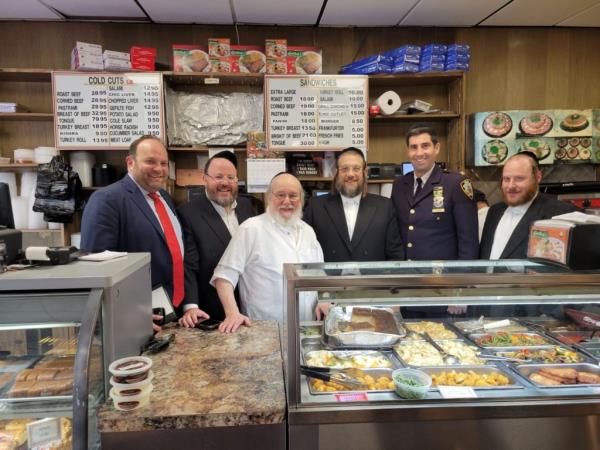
x=212 y=119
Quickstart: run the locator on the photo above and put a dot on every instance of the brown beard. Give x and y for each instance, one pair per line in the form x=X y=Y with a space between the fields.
x=528 y=195
x=342 y=189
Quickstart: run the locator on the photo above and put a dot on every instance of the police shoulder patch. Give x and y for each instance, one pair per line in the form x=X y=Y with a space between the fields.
x=467 y=188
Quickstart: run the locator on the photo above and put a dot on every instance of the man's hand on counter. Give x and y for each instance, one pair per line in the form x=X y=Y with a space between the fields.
x=233 y=321
x=156 y=317
x=191 y=316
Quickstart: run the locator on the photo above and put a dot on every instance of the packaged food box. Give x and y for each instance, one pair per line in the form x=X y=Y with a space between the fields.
x=404 y=67
x=143 y=60
x=461 y=48
x=371 y=64
x=218 y=47
x=142 y=66
x=92 y=49
x=304 y=60
x=143 y=51
x=221 y=64
x=111 y=54
x=276 y=48
x=404 y=50
x=434 y=48
x=277 y=65
x=433 y=58
x=457 y=66
x=248 y=59
x=458 y=57
x=190 y=58
x=117 y=65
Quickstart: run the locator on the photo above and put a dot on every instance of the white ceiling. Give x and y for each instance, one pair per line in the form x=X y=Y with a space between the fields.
x=452 y=13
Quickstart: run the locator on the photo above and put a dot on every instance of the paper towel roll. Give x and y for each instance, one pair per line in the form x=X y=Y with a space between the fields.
x=35 y=220
x=76 y=240
x=11 y=179
x=36 y=253
x=28 y=182
x=389 y=102
x=19 y=207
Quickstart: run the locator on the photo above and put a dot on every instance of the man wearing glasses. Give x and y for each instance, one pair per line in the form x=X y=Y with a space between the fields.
x=351 y=224
x=208 y=224
x=257 y=252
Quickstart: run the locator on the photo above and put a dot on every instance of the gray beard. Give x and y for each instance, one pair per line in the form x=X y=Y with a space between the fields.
x=291 y=222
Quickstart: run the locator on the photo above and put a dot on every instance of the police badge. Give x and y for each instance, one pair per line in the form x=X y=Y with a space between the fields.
x=467 y=188
x=438 y=200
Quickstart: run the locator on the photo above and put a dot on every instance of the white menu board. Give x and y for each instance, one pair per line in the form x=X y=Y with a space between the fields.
x=100 y=110
x=317 y=112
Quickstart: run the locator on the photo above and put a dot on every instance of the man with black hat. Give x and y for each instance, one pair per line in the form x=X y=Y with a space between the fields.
x=208 y=224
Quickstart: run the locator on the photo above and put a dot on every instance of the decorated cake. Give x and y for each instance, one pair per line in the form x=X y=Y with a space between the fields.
x=497 y=124
x=538 y=147
x=574 y=122
x=494 y=151
x=536 y=124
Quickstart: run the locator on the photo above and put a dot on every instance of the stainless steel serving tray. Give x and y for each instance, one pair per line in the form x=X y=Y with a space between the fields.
x=447 y=326
x=591 y=349
x=506 y=350
x=414 y=342
x=375 y=373
x=462 y=326
x=526 y=370
x=311 y=329
x=476 y=336
x=349 y=355
x=334 y=337
x=514 y=382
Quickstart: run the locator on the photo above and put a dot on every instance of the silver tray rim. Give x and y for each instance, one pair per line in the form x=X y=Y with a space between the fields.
x=487 y=368
x=531 y=367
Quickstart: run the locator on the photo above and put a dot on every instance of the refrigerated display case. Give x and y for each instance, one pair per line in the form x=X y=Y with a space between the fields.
x=545 y=395
x=60 y=328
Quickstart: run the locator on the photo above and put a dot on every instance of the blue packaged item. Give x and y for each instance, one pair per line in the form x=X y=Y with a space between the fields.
x=368 y=60
x=465 y=57
x=407 y=58
x=433 y=67
x=433 y=59
x=461 y=48
x=404 y=50
x=370 y=65
x=434 y=48
x=457 y=66
x=405 y=67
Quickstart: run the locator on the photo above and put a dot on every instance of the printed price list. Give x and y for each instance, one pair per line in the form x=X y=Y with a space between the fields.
x=103 y=110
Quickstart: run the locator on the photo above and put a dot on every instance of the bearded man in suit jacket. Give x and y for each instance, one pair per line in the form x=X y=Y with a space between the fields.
x=208 y=224
x=135 y=214
x=351 y=224
x=506 y=229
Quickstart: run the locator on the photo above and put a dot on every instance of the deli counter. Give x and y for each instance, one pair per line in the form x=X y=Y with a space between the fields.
x=505 y=354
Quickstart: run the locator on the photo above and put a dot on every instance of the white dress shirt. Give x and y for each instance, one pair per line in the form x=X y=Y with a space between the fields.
x=507 y=224
x=424 y=179
x=255 y=257
x=229 y=218
x=172 y=216
x=481 y=215
x=351 y=205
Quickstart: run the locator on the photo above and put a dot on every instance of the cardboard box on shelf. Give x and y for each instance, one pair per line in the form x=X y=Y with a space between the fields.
x=143 y=51
x=218 y=47
x=221 y=64
x=304 y=60
x=277 y=65
x=248 y=59
x=276 y=48
x=190 y=58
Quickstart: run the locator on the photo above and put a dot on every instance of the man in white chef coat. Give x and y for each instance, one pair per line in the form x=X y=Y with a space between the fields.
x=255 y=256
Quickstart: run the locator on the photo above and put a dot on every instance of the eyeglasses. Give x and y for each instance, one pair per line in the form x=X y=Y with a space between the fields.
x=223 y=178
x=354 y=169
x=281 y=196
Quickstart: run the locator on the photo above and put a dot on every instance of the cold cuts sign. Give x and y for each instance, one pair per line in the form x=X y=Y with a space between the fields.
x=318 y=112
x=106 y=110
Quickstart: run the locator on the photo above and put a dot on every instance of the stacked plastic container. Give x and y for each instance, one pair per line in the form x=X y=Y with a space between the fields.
x=131 y=382
x=405 y=58
x=458 y=57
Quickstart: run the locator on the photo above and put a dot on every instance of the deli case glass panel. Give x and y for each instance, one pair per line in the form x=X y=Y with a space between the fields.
x=454 y=341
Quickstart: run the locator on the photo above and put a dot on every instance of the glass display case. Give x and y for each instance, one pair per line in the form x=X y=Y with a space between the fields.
x=456 y=354
x=59 y=330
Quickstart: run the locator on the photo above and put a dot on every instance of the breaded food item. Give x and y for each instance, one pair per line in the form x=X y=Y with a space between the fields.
x=5 y=379
x=588 y=378
x=541 y=379
x=567 y=375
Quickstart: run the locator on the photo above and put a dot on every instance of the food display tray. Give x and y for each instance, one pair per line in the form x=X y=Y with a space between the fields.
x=514 y=382
x=476 y=336
x=447 y=326
x=575 y=337
x=526 y=370
x=355 y=355
x=334 y=338
x=375 y=373
x=461 y=326
x=406 y=363
x=310 y=329
x=592 y=349
x=584 y=357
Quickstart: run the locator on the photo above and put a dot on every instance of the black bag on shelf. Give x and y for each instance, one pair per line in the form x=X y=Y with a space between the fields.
x=58 y=191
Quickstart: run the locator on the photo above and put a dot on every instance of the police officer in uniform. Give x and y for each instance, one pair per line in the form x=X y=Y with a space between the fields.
x=435 y=208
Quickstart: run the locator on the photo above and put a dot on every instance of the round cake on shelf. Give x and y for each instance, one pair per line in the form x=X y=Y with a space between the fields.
x=574 y=142
x=562 y=142
x=574 y=122
x=573 y=152
x=585 y=154
x=494 y=151
x=560 y=153
x=540 y=148
x=536 y=124
x=585 y=142
x=497 y=124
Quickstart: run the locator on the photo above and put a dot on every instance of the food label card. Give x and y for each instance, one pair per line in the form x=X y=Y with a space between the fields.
x=457 y=392
x=357 y=397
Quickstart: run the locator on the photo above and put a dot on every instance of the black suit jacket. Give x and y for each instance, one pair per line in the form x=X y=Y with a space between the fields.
x=543 y=207
x=376 y=235
x=205 y=238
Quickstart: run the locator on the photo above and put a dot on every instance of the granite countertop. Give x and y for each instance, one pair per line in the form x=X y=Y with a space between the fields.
x=210 y=379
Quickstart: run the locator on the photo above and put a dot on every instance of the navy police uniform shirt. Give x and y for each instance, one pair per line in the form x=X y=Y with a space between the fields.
x=441 y=222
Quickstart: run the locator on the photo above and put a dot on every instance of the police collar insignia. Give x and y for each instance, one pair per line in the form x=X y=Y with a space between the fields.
x=467 y=188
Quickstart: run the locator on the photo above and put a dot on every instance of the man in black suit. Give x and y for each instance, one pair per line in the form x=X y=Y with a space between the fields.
x=506 y=230
x=351 y=224
x=208 y=224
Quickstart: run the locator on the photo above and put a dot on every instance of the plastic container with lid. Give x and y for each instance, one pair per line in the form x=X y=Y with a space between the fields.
x=131 y=369
x=131 y=402
x=44 y=155
x=126 y=390
x=411 y=383
x=82 y=163
x=24 y=156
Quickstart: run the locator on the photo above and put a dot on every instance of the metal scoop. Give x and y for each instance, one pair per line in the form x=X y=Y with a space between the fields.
x=449 y=359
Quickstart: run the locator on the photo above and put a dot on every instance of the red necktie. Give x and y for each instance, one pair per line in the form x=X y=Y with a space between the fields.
x=174 y=248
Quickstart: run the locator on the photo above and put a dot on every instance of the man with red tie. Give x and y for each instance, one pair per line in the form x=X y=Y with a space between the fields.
x=136 y=215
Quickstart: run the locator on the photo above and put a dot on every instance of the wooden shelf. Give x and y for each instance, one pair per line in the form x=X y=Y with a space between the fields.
x=377 y=181
x=415 y=79
x=434 y=117
x=27 y=116
x=26 y=75
x=204 y=149
x=227 y=79
x=10 y=167
x=313 y=178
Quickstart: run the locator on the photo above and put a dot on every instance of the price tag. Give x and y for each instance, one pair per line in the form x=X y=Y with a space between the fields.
x=212 y=80
x=43 y=432
x=347 y=398
x=457 y=392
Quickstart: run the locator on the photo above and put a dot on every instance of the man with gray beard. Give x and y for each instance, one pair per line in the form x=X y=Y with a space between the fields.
x=350 y=223
x=256 y=254
x=208 y=224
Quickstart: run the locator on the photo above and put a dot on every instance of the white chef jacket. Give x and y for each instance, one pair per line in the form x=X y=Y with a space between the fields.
x=255 y=257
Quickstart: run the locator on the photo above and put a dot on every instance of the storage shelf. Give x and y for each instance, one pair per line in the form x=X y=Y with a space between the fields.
x=26 y=75
x=313 y=178
x=10 y=167
x=228 y=79
x=381 y=181
x=434 y=117
x=27 y=116
x=415 y=79
x=204 y=149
